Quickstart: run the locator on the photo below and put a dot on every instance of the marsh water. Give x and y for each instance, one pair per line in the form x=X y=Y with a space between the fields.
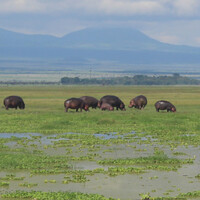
x=127 y=186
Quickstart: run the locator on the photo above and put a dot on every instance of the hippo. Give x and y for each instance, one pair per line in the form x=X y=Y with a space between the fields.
x=75 y=103
x=113 y=101
x=14 y=102
x=90 y=101
x=138 y=102
x=165 y=105
x=106 y=106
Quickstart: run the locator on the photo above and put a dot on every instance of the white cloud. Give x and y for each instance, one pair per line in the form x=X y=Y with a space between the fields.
x=186 y=7
x=170 y=39
x=20 y=6
x=103 y=7
x=129 y=7
x=197 y=41
x=182 y=32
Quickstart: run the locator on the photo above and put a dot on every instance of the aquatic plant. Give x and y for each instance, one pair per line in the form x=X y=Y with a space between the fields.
x=28 y=185
x=54 y=195
x=4 y=184
x=12 y=177
x=158 y=161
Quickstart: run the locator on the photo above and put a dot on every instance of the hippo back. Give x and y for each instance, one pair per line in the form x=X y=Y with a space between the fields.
x=165 y=105
x=141 y=100
x=74 y=102
x=90 y=101
x=112 y=100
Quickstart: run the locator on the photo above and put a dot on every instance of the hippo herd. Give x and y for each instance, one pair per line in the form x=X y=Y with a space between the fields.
x=108 y=102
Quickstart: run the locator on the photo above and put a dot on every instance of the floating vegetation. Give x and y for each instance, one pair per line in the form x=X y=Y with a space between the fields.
x=197 y=176
x=154 y=177
x=179 y=153
x=158 y=161
x=193 y=194
x=28 y=185
x=76 y=178
x=12 y=177
x=4 y=184
x=147 y=197
x=32 y=161
x=50 y=181
x=54 y=195
x=115 y=171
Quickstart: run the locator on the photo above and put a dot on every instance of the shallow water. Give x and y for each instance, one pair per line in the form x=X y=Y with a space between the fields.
x=157 y=183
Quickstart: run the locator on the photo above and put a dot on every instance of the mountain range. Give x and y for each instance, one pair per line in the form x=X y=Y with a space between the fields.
x=120 y=46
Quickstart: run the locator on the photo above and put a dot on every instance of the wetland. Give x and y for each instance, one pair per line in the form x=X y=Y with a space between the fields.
x=127 y=155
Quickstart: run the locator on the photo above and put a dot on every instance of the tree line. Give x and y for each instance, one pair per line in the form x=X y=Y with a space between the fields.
x=175 y=79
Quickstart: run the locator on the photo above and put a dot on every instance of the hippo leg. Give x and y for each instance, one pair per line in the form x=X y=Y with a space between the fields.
x=157 y=110
x=6 y=107
x=66 y=109
x=116 y=108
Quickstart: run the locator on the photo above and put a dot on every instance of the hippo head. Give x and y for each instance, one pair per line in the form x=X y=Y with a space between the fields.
x=122 y=106
x=98 y=105
x=111 y=108
x=173 y=109
x=132 y=104
x=22 y=105
x=86 y=107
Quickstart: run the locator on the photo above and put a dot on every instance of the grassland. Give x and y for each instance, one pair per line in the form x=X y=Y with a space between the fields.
x=143 y=141
x=44 y=111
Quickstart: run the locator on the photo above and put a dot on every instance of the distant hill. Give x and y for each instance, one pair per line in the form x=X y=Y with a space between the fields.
x=96 y=45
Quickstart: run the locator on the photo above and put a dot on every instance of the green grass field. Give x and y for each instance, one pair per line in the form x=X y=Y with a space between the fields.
x=164 y=133
x=44 y=111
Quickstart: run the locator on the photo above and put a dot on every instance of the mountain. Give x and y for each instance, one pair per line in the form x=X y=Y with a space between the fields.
x=110 y=39
x=13 y=39
x=95 y=45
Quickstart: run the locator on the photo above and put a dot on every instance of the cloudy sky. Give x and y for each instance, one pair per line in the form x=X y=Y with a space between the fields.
x=171 y=21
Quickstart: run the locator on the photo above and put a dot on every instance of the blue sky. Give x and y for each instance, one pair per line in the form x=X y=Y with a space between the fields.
x=171 y=21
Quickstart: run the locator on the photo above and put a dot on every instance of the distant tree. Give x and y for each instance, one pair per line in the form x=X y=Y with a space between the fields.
x=176 y=79
x=176 y=75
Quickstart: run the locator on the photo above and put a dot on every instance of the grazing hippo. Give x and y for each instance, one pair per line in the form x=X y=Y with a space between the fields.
x=90 y=101
x=113 y=101
x=138 y=102
x=75 y=103
x=14 y=102
x=106 y=106
x=165 y=105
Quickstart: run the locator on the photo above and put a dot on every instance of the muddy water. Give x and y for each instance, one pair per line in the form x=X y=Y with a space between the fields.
x=156 y=183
